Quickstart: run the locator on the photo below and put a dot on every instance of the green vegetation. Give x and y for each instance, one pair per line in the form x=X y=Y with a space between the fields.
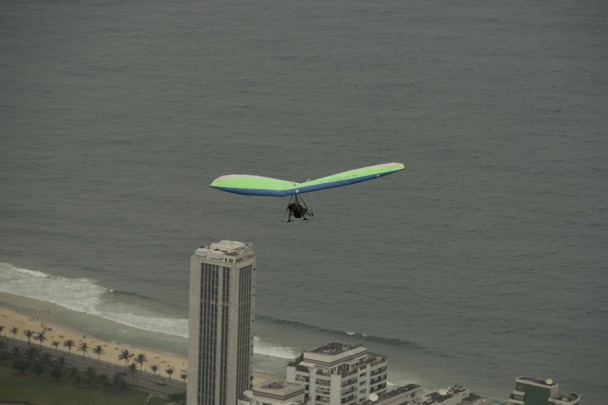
x=37 y=375
x=38 y=378
x=126 y=356
x=45 y=391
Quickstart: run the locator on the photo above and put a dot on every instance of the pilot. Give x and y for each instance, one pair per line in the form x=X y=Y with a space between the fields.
x=297 y=210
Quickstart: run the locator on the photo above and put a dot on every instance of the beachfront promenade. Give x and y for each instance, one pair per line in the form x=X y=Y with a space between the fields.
x=143 y=381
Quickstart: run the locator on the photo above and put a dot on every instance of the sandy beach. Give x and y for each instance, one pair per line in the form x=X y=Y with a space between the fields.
x=19 y=312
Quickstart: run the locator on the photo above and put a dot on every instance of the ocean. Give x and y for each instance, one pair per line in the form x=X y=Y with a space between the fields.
x=483 y=261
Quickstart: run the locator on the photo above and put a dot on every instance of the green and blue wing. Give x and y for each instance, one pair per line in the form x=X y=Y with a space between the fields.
x=266 y=186
x=253 y=185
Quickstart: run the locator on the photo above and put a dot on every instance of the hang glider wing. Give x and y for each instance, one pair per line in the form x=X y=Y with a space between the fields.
x=254 y=185
x=266 y=186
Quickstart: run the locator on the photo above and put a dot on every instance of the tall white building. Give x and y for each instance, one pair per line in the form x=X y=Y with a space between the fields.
x=339 y=374
x=222 y=290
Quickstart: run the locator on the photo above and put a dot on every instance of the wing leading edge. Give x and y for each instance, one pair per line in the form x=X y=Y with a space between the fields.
x=266 y=186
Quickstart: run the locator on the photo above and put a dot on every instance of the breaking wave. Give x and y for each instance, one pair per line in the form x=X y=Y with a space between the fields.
x=282 y=352
x=338 y=334
x=86 y=295
x=83 y=295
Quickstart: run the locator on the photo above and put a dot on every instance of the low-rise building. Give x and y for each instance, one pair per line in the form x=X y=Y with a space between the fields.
x=274 y=393
x=408 y=394
x=454 y=395
x=533 y=391
x=413 y=394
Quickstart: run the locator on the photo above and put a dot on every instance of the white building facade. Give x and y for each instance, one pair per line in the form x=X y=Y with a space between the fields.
x=339 y=374
x=222 y=290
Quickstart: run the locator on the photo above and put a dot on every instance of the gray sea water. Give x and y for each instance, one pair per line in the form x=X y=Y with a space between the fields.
x=485 y=260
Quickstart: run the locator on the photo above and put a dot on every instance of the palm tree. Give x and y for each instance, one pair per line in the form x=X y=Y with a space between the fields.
x=28 y=333
x=98 y=350
x=140 y=359
x=132 y=369
x=14 y=331
x=170 y=371
x=1 y=329
x=55 y=344
x=133 y=372
x=125 y=355
x=69 y=344
x=84 y=348
x=154 y=369
x=41 y=336
x=183 y=376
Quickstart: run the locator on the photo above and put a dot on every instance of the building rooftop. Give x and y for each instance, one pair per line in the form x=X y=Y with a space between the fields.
x=442 y=395
x=392 y=394
x=229 y=246
x=276 y=389
x=548 y=382
x=274 y=385
x=333 y=348
x=226 y=250
x=572 y=398
x=400 y=390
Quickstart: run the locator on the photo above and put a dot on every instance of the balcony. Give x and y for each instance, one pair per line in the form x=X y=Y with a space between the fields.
x=302 y=378
x=373 y=359
x=351 y=371
x=349 y=382
x=378 y=388
x=378 y=360
x=349 y=399
x=516 y=399
x=322 y=399
x=378 y=379
x=378 y=371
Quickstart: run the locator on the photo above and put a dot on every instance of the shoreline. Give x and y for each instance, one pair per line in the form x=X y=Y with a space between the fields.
x=27 y=313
